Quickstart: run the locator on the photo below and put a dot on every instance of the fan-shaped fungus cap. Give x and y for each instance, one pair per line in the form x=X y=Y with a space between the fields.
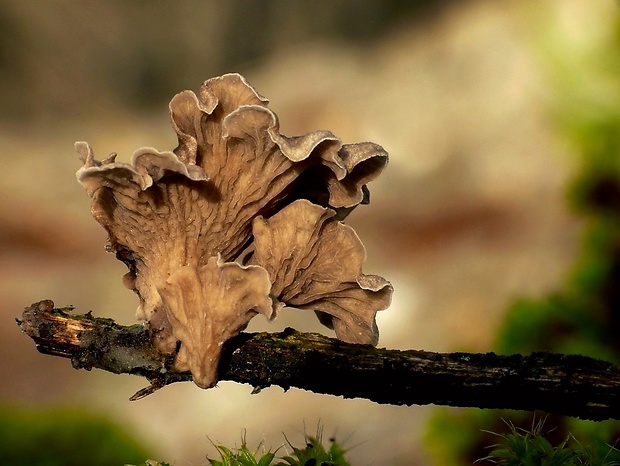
x=237 y=220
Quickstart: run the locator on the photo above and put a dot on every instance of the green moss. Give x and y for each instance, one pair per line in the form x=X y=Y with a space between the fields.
x=313 y=453
x=521 y=447
x=242 y=456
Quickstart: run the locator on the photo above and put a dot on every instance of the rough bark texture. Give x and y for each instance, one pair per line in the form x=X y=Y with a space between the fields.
x=569 y=385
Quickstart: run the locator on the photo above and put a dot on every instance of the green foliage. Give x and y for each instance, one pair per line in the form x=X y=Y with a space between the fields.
x=522 y=447
x=561 y=322
x=242 y=456
x=313 y=453
x=583 y=317
x=462 y=437
x=452 y=435
x=64 y=437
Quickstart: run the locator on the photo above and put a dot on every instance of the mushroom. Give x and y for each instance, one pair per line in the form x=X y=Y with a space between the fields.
x=315 y=262
x=237 y=220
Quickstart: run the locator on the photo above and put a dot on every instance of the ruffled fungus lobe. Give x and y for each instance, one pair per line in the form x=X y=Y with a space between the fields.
x=237 y=220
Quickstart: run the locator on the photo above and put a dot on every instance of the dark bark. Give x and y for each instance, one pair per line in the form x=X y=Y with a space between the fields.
x=570 y=385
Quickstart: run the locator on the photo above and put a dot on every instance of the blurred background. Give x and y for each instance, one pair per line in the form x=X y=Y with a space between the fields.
x=482 y=106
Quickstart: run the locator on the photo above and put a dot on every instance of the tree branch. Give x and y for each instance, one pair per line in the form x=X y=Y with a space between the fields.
x=575 y=386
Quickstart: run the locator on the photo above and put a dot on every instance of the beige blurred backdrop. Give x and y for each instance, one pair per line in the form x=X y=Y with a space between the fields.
x=469 y=213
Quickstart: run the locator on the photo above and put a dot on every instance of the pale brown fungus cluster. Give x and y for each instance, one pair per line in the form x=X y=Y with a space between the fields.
x=237 y=220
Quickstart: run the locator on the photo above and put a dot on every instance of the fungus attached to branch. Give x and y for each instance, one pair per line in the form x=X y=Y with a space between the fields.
x=237 y=220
